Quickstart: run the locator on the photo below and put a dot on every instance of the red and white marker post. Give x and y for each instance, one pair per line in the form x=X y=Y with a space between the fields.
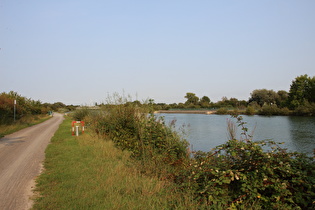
x=75 y=123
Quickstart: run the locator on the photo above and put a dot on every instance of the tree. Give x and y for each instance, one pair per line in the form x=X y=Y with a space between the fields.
x=191 y=99
x=311 y=90
x=282 y=98
x=205 y=101
x=302 y=89
x=264 y=96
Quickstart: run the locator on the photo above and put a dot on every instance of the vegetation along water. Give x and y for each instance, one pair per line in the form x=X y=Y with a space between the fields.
x=247 y=171
x=238 y=173
x=205 y=132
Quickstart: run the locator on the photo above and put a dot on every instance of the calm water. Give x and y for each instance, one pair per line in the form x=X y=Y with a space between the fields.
x=207 y=131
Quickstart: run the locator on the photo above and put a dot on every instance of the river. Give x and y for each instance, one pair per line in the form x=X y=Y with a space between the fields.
x=205 y=132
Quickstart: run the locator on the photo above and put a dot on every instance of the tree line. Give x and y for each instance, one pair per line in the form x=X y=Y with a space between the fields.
x=300 y=100
x=25 y=106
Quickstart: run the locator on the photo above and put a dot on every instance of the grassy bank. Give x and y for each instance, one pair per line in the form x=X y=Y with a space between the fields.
x=89 y=173
x=22 y=123
x=146 y=165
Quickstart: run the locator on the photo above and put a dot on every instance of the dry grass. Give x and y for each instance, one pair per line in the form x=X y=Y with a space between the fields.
x=89 y=173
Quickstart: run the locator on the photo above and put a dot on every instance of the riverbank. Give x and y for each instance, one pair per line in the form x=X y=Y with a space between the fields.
x=155 y=171
x=87 y=172
x=207 y=112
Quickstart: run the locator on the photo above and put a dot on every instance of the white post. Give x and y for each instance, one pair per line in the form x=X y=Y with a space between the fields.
x=14 y=109
x=77 y=130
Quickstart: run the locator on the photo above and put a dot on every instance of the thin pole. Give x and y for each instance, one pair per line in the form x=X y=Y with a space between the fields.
x=14 y=109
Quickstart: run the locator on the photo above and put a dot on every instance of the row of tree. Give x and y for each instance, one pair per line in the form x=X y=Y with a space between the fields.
x=299 y=100
x=24 y=106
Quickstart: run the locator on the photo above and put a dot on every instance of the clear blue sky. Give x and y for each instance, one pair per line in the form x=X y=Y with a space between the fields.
x=79 y=52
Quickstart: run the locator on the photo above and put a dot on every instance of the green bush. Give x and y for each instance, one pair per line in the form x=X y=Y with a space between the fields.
x=242 y=174
x=239 y=174
x=250 y=110
x=307 y=109
x=146 y=136
x=285 y=111
x=222 y=111
x=269 y=110
x=80 y=114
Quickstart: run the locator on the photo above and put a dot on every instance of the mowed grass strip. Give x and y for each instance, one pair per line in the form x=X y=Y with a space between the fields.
x=89 y=173
x=22 y=123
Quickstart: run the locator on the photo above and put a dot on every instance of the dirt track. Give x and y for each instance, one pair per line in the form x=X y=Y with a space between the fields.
x=21 y=155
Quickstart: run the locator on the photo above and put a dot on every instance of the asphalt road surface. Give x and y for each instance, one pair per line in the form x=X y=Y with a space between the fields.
x=21 y=157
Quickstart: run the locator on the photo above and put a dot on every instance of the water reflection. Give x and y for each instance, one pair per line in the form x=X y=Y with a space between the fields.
x=302 y=130
x=208 y=131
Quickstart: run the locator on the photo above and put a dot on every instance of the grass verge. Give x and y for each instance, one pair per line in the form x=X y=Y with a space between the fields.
x=22 y=123
x=89 y=173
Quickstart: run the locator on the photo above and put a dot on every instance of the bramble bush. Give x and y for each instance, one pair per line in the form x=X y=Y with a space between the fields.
x=244 y=174
x=130 y=127
x=239 y=174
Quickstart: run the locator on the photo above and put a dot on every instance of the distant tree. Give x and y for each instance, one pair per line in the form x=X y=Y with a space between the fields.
x=151 y=101
x=302 y=89
x=57 y=105
x=232 y=102
x=282 y=98
x=264 y=96
x=173 y=105
x=205 y=101
x=192 y=99
x=311 y=90
x=181 y=105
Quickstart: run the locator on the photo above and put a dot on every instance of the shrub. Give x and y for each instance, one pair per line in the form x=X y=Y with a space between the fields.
x=80 y=114
x=250 y=110
x=269 y=110
x=242 y=174
x=222 y=111
x=307 y=109
x=146 y=136
x=285 y=111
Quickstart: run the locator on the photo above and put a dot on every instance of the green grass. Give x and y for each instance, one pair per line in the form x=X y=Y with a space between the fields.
x=22 y=123
x=89 y=173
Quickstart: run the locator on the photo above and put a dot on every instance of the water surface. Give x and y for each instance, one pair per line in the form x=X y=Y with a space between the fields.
x=204 y=132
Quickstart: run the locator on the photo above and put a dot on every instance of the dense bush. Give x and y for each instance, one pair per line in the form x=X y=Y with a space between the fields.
x=250 y=110
x=146 y=136
x=80 y=114
x=273 y=110
x=222 y=111
x=238 y=174
x=24 y=107
x=307 y=109
x=243 y=174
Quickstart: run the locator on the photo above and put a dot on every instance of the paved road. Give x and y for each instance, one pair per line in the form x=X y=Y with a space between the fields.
x=21 y=155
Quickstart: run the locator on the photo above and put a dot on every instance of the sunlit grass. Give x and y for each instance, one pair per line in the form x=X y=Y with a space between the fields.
x=89 y=173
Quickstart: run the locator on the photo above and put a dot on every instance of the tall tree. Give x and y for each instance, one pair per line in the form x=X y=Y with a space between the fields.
x=302 y=89
x=191 y=99
x=205 y=101
x=282 y=98
x=264 y=96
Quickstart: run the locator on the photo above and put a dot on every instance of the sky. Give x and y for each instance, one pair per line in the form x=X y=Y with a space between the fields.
x=81 y=52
